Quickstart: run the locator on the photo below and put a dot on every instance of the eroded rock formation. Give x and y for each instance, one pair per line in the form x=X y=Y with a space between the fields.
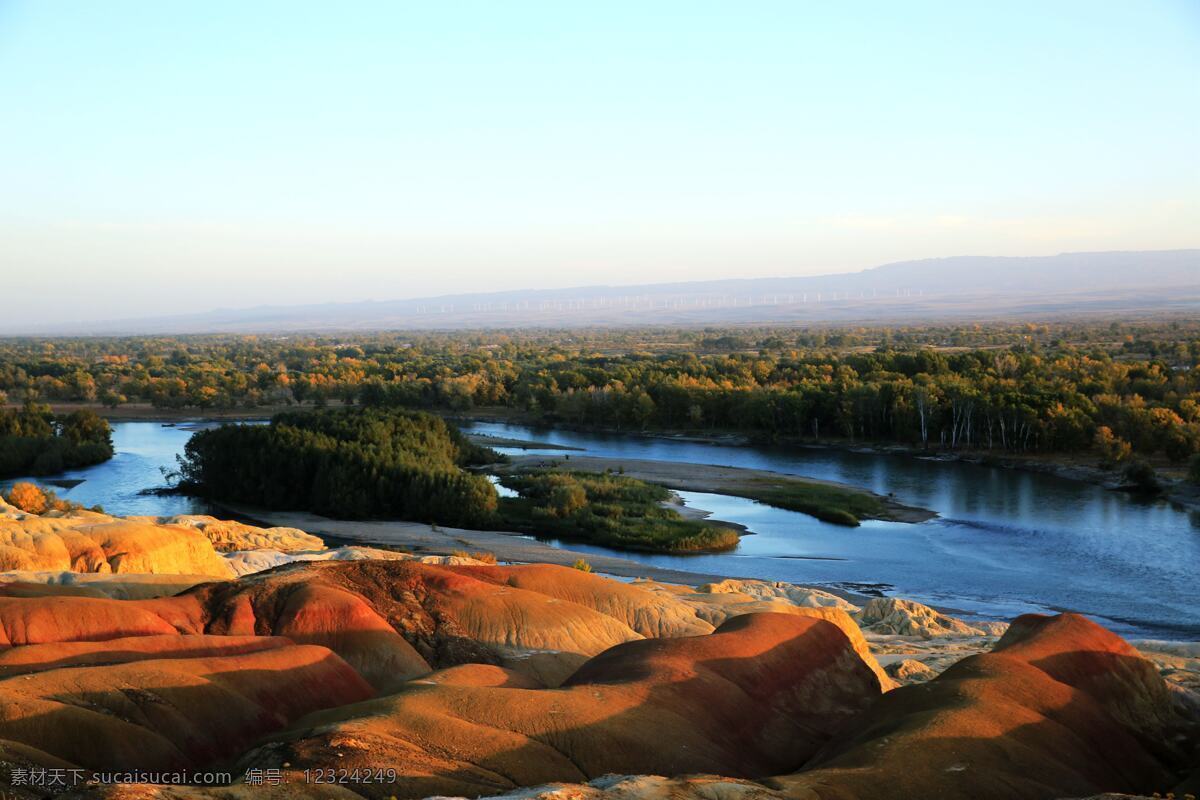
x=1060 y=708
x=757 y=696
x=891 y=615
x=471 y=679
x=228 y=536
x=95 y=543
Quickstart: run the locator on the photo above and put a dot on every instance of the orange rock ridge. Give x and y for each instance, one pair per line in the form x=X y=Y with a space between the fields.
x=471 y=680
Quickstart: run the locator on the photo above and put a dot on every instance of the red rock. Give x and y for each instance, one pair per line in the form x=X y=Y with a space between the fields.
x=172 y=714
x=43 y=657
x=41 y=620
x=654 y=616
x=756 y=697
x=1061 y=708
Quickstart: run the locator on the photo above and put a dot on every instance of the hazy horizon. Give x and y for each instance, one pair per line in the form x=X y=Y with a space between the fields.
x=1127 y=284
x=179 y=158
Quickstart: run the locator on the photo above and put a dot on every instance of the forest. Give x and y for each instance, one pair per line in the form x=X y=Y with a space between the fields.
x=345 y=463
x=35 y=441
x=1118 y=390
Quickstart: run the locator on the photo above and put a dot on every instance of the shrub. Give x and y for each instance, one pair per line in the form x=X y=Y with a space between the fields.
x=582 y=565
x=478 y=555
x=566 y=499
x=1194 y=469
x=1141 y=476
x=29 y=498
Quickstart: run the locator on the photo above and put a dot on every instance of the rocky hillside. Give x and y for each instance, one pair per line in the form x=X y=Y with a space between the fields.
x=405 y=677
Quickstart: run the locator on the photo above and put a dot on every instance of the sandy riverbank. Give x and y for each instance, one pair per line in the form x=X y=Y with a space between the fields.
x=422 y=538
x=508 y=546
x=518 y=444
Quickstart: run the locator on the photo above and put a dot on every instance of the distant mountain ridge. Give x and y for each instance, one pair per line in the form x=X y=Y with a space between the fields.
x=943 y=288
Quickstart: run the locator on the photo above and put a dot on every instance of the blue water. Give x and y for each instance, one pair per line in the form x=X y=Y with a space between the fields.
x=143 y=449
x=1006 y=541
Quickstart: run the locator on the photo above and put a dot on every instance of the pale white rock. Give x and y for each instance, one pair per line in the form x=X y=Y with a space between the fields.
x=893 y=616
x=230 y=536
x=778 y=590
x=250 y=561
x=1171 y=648
x=246 y=562
x=909 y=670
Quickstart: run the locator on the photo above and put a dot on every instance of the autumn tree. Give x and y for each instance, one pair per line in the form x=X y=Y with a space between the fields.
x=28 y=497
x=1113 y=449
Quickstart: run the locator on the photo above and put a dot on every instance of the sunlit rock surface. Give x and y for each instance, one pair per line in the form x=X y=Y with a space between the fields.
x=90 y=542
x=227 y=536
x=661 y=617
x=717 y=602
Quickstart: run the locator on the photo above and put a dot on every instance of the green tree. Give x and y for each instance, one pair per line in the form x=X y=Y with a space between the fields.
x=1113 y=449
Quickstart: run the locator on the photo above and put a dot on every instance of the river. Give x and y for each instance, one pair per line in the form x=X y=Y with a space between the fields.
x=142 y=451
x=1006 y=541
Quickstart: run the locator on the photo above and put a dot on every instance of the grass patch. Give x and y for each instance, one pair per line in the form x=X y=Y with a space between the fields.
x=826 y=503
x=478 y=555
x=609 y=510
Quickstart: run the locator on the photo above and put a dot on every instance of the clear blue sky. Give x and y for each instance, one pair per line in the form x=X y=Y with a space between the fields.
x=161 y=156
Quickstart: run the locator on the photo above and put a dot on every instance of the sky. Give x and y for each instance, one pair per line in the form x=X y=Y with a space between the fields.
x=169 y=157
